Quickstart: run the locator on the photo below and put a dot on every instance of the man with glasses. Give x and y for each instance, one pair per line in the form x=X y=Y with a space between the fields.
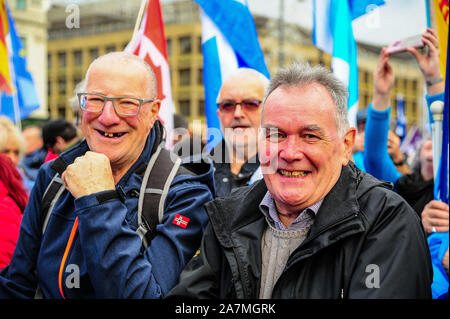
x=90 y=246
x=239 y=111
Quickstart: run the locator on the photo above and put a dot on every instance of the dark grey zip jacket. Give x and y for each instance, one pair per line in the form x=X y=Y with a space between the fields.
x=366 y=242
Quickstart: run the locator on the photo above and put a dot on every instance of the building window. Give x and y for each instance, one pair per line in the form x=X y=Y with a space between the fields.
x=110 y=48
x=93 y=53
x=185 y=76
x=62 y=86
x=200 y=77
x=49 y=88
x=21 y=4
x=169 y=46
x=78 y=58
x=199 y=43
x=61 y=111
x=49 y=60
x=185 y=107
x=62 y=59
x=185 y=45
x=201 y=108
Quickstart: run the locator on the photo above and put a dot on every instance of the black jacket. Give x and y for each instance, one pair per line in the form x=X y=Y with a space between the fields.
x=362 y=230
x=225 y=180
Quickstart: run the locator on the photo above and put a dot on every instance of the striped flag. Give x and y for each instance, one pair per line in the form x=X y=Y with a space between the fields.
x=5 y=81
x=149 y=43
x=333 y=33
x=441 y=9
x=229 y=41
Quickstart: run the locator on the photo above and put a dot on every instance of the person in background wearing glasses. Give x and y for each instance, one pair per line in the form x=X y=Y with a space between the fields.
x=90 y=247
x=239 y=110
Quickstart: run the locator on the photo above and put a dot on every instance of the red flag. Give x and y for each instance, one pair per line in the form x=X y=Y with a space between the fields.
x=180 y=220
x=150 y=44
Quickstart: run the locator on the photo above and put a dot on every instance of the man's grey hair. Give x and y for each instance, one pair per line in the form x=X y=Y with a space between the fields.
x=125 y=57
x=305 y=74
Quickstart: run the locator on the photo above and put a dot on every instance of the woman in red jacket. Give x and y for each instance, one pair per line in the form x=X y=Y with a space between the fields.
x=13 y=199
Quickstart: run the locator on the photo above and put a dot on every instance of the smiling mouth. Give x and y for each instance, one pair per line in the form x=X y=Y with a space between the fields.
x=110 y=135
x=293 y=174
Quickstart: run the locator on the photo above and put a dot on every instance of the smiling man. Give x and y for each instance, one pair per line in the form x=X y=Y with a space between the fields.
x=315 y=226
x=91 y=246
x=239 y=110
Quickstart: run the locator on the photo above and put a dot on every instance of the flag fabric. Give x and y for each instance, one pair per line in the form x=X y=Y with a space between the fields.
x=441 y=182
x=229 y=42
x=333 y=33
x=19 y=102
x=400 y=129
x=149 y=43
x=441 y=12
x=438 y=242
x=5 y=81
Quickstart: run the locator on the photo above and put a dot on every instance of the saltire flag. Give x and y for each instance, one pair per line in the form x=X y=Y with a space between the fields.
x=21 y=99
x=229 y=42
x=441 y=9
x=333 y=33
x=149 y=43
x=400 y=129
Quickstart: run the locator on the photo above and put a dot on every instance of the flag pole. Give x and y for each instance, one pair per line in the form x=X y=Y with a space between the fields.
x=139 y=19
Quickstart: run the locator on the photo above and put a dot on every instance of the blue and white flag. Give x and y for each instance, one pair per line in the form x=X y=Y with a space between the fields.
x=24 y=98
x=229 y=42
x=400 y=129
x=333 y=33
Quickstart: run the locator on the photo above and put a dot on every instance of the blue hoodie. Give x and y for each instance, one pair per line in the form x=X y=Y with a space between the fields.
x=105 y=258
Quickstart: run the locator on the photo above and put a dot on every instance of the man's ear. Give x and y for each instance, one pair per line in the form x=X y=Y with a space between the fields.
x=154 y=111
x=349 y=141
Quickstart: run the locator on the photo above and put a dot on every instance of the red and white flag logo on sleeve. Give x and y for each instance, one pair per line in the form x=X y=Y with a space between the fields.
x=150 y=44
x=181 y=220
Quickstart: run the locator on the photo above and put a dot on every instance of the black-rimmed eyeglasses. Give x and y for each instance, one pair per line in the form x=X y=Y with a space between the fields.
x=123 y=105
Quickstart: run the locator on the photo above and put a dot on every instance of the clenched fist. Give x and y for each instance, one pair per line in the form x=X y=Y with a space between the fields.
x=90 y=173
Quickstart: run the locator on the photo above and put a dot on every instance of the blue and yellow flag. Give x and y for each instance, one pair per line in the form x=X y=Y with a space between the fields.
x=22 y=99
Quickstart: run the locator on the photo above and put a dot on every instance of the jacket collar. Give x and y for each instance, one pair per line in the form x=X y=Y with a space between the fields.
x=229 y=215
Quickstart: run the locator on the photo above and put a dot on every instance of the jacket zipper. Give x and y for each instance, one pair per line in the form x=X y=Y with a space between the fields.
x=241 y=272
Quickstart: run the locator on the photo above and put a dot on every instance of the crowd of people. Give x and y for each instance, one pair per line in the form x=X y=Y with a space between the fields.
x=292 y=203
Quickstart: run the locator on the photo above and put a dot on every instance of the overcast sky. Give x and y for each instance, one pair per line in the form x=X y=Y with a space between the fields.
x=396 y=19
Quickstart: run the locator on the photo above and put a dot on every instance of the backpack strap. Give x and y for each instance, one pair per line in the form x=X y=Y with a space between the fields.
x=159 y=174
x=52 y=192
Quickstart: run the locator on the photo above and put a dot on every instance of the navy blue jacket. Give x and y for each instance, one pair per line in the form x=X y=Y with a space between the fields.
x=106 y=258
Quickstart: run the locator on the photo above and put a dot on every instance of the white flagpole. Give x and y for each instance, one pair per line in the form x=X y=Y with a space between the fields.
x=437 y=107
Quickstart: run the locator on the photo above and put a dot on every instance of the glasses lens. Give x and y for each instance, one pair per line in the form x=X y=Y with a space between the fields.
x=127 y=106
x=227 y=106
x=91 y=102
x=250 y=104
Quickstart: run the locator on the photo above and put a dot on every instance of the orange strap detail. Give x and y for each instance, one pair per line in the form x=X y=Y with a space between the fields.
x=66 y=252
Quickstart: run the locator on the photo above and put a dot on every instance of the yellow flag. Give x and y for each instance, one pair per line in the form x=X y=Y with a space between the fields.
x=441 y=13
x=5 y=81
